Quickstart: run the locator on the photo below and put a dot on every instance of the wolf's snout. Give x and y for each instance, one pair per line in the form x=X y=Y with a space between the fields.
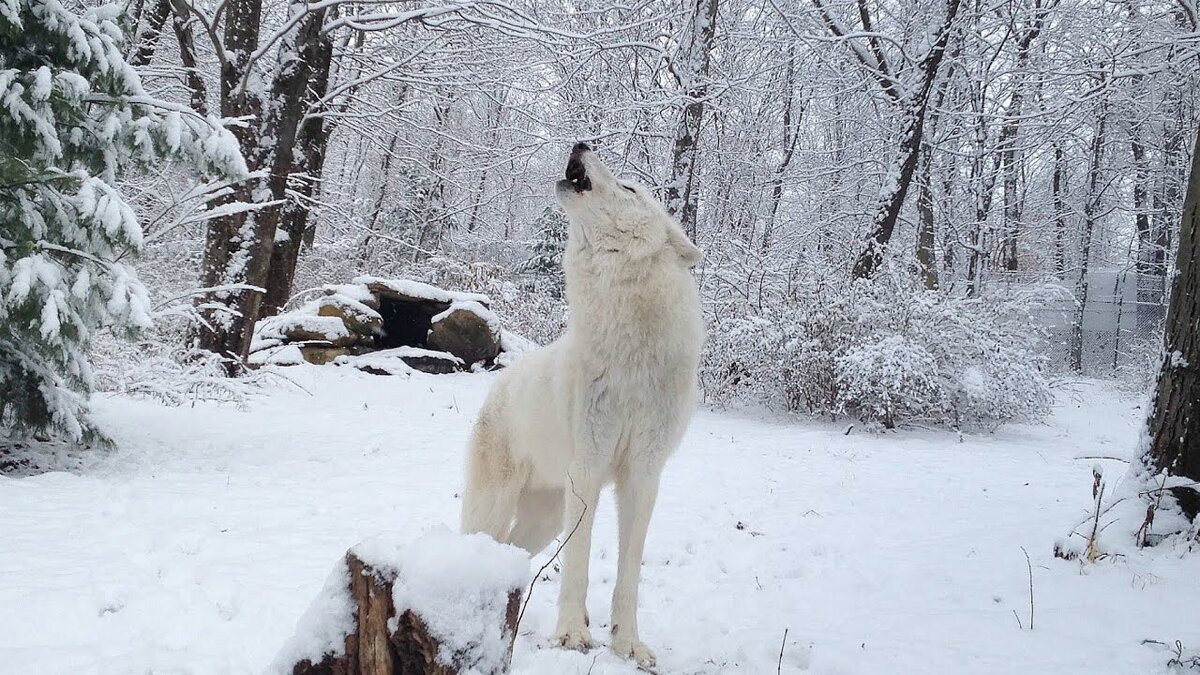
x=576 y=172
x=575 y=169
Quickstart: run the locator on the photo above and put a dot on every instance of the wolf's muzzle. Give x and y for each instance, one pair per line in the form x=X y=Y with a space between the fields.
x=576 y=173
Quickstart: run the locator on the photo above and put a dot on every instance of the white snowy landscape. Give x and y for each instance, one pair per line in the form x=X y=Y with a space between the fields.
x=328 y=326
x=198 y=546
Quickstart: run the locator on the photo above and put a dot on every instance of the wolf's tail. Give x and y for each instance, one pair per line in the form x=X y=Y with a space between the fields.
x=494 y=480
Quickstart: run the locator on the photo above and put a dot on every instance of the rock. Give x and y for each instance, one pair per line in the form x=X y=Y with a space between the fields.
x=311 y=328
x=402 y=360
x=357 y=316
x=467 y=330
x=356 y=292
x=376 y=316
x=321 y=354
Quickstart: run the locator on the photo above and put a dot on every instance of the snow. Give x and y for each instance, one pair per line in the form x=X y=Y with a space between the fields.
x=200 y=544
x=360 y=294
x=390 y=360
x=278 y=327
x=271 y=351
x=324 y=626
x=515 y=344
x=416 y=289
x=512 y=346
x=458 y=585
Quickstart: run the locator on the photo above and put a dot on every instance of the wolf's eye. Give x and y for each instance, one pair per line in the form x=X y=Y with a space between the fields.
x=629 y=188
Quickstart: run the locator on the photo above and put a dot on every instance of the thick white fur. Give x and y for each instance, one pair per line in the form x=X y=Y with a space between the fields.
x=606 y=402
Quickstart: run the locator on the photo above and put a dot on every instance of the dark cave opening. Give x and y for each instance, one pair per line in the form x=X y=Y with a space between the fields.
x=405 y=324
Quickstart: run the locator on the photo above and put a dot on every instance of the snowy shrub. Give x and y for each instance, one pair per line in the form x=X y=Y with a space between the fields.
x=161 y=365
x=885 y=351
x=886 y=379
x=73 y=116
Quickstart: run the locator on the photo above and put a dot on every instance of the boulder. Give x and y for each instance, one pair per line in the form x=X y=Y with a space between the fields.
x=309 y=328
x=321 y=354
x=387 y=327
x=401 y=360
x=467 y=330
x=357 y=316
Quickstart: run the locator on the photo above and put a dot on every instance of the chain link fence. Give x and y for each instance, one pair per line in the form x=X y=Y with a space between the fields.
x=1122 y=320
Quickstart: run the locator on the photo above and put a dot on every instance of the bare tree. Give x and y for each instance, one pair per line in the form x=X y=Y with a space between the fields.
x=912 y=100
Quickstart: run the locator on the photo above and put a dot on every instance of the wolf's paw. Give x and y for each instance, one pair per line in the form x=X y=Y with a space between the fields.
x=630 y=648
x=578 y=638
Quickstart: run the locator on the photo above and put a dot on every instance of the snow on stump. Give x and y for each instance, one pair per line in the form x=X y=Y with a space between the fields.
x=444 y=604
x=467 y=330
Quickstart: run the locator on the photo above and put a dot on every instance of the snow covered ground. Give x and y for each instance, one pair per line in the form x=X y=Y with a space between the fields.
x=197 y=546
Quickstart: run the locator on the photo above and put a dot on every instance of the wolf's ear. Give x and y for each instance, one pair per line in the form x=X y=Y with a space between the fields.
x=686 y=249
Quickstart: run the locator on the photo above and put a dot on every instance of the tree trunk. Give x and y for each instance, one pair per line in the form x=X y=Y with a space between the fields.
x=183 y=21
x=1141 y=215
x=385 y=644
x=1010 y=155
x=926 y=264
x=1174 y=421
x=238 y=248
x=308 y=164
x=692 y=70
x=1090 y=207
x=926 y=223
x=1057 y=188
x=791 y=132
x=146 y=41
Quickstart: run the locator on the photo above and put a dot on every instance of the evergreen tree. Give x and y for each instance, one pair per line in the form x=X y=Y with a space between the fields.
x=74 y=117
x=548 y=246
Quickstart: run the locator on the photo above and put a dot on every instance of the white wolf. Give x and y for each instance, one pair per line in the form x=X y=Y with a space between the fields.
x=606 y=402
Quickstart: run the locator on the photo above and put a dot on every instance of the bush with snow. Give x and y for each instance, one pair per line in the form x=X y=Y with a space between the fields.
x=885 y=351
x=888 y=378
x=73 y=117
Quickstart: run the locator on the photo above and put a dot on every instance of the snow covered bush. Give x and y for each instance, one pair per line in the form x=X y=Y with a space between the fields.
x=887 y=378
x=73 y=117
x=885 y=351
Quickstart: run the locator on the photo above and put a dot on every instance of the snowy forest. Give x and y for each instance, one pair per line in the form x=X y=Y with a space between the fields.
x=948 y=282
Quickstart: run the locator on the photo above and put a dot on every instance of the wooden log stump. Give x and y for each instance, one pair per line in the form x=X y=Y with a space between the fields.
x=456 y=614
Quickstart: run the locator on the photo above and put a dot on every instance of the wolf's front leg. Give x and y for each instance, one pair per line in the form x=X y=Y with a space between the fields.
x=583 y=493
x=637 y=490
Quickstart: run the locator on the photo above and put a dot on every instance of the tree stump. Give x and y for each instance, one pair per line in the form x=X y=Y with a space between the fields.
x=459 y=619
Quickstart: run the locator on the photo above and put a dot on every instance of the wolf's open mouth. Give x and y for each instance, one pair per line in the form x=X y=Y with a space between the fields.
x=576 y=173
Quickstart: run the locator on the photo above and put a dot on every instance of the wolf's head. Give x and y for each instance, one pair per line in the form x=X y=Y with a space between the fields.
x=615 y=215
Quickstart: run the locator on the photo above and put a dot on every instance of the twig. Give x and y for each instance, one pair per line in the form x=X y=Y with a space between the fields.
x=1029 y=564
x=1093 y=552
x=1018 y=618
x=529 y=593
x=782 y=645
